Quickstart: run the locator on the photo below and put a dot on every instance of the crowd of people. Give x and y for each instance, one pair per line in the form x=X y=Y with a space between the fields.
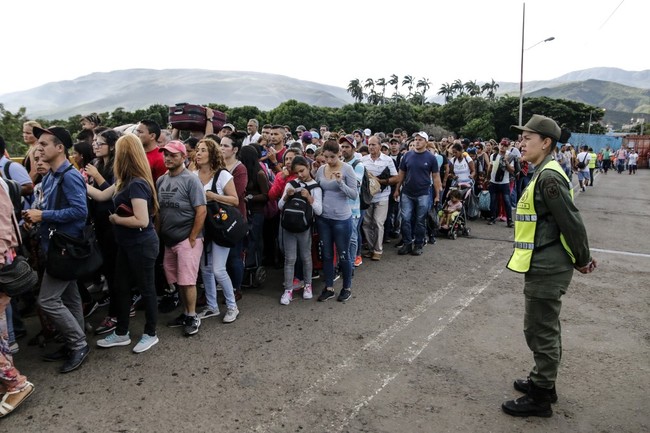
x=317 y=203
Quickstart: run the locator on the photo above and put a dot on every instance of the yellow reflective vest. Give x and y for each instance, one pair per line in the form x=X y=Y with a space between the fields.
x=526 y=222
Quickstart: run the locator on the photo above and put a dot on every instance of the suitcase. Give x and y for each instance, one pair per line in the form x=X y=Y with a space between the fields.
x=189 y=117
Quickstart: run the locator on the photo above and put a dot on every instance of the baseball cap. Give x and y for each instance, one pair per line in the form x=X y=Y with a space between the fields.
x=541 y=125
x=174 y=146
x=315 y=134
x=61 y=133
x=394 y=140
x=505 y=141
x=349 y=139
x=300 y=128
x=311 y=147
x=306 y=136
x=367 y=132
x=358 y=131
x=230 y=126
x=385 y=145
x=422 y=134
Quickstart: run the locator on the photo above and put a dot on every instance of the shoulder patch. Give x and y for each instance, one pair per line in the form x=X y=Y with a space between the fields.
x=551 y=189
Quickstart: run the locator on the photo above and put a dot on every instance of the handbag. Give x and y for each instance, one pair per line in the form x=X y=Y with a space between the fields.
x=17 y=278
x=70 y=258
x=484 y=201
x=224 y=224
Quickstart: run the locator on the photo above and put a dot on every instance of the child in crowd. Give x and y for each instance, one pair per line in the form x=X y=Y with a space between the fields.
x=451 y=209
x=304 y=187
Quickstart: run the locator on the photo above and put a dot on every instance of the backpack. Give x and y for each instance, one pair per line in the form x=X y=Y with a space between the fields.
x=224 y=224
x=369 y=187
x=13 y=191
x=297 y=214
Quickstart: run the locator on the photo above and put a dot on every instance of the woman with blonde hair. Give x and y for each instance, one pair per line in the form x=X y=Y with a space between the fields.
x=136 y=204
x=30 y=139
x=213 y=174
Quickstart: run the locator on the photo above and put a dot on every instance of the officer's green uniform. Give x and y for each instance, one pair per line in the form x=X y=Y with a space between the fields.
x=550 y=238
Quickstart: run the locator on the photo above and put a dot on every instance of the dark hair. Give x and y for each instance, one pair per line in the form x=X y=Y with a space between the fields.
x=454 y=193
x=300 y=160
x=191 y=142
x=152 y=127
x=99 y=129
x=363 y=148
x=106 y=170
x=457 y=147
x=332 y=146
x=3 y=146
x=250 y=158
x=93 y=118
x=214 y=137
x=85 y=150
x=86 y=135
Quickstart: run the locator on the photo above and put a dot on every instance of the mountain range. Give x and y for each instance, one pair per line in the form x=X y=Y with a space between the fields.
x=623 y=94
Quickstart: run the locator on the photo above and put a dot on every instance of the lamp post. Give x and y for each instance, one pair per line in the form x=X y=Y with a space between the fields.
x=521 y=73
x=589 y=126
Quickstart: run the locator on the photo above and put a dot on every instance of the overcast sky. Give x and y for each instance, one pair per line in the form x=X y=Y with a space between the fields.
x=329 y=42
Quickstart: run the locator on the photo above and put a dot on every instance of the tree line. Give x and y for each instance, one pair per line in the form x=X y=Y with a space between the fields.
x=467 y=114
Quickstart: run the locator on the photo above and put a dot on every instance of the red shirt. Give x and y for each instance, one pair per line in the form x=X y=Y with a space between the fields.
x=156 y=163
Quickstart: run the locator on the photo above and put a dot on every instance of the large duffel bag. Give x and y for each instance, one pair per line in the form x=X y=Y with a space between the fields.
x=190 y=117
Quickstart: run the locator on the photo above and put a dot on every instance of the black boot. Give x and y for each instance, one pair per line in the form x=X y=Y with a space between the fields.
x=537 y=402
x=522 y=385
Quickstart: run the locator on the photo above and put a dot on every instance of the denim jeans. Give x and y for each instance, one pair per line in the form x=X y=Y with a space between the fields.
x=414 y=213
x=296 y=245
x=255 y=241
x=336 y=233
x=213 y=270
x=354 y=238
x=497 y=189
x=135 y=267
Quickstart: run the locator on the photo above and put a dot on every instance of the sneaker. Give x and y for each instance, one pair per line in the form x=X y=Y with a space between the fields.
x=169 y=303
x=298 y=284
x=400 y=244
x=286 y=297
x=307 y=292
x=14 y=348
x=108 y=324
x=337 y=276
x=206 y=313
x=325 y=295
x=315 y=275
x=491 y=221
x=406 y=249
x=511 y=224
x=417 y=251
x=358 y=261
x=146 y=342
x=177 y=322
x=376 y=257
x=113 y=340
x=231 y=315
x=89 y=308
x=104 y=301
x=192 y=325
x=345 y=295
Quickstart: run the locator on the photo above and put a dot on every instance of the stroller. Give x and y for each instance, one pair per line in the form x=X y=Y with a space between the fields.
x=457 y=222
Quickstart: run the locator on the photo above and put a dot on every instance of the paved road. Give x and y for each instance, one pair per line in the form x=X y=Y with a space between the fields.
x=427 y=344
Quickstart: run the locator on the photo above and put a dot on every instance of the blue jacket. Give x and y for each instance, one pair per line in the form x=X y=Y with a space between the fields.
x=71 y=216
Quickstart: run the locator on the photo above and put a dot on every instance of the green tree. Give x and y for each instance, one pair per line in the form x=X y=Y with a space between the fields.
x=423 y=85
x=447 y=91
x=356 y=90
x=409 y=83
x=394 y=81
x=381 y=82
x=11 y=129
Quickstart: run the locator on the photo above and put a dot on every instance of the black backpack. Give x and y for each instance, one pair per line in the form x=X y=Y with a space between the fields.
x=365 y=196
x=13 y=191
x=297 y=214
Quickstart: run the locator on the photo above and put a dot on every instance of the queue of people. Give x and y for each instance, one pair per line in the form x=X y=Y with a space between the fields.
x=307 y=199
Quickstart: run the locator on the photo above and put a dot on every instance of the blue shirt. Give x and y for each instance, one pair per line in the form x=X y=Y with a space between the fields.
x=70 y=217
x=417 y=167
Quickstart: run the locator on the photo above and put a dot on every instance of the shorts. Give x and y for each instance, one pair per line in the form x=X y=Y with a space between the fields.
x=181 y=262
x=583 y=175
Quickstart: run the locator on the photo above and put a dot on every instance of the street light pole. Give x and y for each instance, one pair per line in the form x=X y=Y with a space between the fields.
x=589 y=126
x=521 y=72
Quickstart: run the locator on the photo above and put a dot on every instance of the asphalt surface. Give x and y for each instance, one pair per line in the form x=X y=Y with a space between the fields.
x=426 y=344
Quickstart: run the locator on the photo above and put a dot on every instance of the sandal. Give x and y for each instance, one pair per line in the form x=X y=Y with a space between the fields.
x=11 y=400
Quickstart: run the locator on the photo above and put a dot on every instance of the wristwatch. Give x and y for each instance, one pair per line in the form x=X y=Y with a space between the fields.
x=209 y=119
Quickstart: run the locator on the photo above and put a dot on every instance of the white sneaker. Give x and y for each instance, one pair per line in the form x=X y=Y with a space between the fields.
x=206 y=313
x=145 y=343
x=112 y=340
x=231 y=315
x=287 y=297
x=307 y=292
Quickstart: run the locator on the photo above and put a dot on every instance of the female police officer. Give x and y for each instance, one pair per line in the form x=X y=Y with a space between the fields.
x=550 y=241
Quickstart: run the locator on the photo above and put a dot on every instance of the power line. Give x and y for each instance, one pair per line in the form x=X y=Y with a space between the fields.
x=610 y=15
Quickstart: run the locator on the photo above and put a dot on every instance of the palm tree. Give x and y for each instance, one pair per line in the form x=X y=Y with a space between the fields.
x=355 y=90
x=458 y=87
x=425 y=85
x=394 y=81
x=472 y=88
x=381 y=82
x=490 y=89
x=408 y=81
x=447 y=91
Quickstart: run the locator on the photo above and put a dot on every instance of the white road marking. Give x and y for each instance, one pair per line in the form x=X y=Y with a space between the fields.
x=623 y=253
x=404 y=358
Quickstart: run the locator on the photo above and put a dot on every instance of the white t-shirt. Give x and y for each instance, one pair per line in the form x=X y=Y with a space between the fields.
x=583 y=157
x=461 y=169
x=376 y=167
x=495 y=167
x=222 y=181
x=632 y=158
